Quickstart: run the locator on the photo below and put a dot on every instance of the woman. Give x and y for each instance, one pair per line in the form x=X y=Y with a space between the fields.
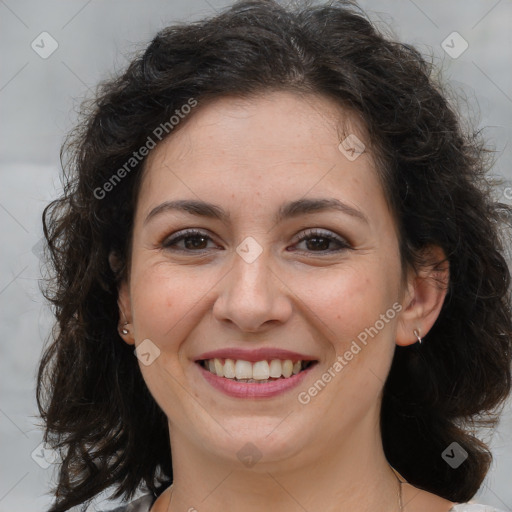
x=277 y=259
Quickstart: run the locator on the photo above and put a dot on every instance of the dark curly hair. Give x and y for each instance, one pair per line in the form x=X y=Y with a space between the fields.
x=97 y=410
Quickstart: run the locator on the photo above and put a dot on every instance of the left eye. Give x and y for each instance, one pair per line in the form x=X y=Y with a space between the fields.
x=319 y=241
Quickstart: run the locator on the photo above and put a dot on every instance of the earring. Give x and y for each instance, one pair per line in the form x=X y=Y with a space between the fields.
x=417 y=334
x=123 y=329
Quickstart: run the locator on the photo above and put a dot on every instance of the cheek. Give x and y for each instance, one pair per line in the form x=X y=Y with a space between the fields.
x=159 y=299
x=163 y=301
x=358 y=324
x=168 y=300
x=347 y=300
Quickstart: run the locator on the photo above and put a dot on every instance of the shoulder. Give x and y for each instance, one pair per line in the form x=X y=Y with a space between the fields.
x=142 y=504
x=473 y=507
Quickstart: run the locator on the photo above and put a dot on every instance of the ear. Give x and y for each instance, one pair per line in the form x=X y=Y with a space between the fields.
x=125 y=327
x=424 y=297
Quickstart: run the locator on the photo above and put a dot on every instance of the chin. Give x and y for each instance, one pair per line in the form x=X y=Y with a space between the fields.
x=261 y=441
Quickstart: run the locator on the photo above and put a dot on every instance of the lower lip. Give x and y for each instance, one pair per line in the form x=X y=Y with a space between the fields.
x=252 y=389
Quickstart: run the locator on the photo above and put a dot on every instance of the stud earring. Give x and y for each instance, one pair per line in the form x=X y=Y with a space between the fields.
x=123 y=329
x=417 y=334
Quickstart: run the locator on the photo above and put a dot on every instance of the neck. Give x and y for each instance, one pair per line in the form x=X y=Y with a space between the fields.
x=347 y=473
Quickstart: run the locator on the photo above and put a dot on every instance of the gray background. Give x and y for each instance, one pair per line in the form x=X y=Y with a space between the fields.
x=38 y=102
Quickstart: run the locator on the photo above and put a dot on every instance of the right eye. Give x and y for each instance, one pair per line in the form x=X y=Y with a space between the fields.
x=193 y=241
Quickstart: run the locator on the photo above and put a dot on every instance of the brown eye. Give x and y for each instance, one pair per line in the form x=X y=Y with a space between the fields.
x=193 y=241
x=321 y=241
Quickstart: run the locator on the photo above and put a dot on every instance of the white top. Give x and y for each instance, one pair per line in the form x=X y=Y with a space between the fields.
x=473 y=507
x=144 y=504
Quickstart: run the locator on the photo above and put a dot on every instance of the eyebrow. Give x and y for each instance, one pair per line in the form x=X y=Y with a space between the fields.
x=286 y=211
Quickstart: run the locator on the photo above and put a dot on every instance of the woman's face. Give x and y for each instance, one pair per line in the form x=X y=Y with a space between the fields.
x=259 y=174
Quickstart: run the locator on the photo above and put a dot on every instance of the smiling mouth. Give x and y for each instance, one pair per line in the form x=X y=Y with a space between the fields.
x=260 y=372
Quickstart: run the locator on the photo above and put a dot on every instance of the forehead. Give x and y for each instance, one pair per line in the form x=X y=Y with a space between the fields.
x=278 y=145
x=272 y=121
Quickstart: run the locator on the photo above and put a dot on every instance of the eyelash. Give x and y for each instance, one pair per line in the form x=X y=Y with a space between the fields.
x=308 y=235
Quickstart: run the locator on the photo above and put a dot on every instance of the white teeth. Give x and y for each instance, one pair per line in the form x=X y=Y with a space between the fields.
x=253 y=372
x=219 y=368
x=261 y=370
x=243 y=369
x=276 y=369
x=229 y=369
x=287 y=368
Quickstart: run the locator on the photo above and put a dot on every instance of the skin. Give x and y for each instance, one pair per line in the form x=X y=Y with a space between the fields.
x=249 y=156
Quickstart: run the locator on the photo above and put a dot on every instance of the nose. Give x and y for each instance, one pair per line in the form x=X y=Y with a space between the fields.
x=252 y=296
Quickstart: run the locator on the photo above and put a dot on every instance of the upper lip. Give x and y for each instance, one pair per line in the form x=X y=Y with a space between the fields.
x=255 y=355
